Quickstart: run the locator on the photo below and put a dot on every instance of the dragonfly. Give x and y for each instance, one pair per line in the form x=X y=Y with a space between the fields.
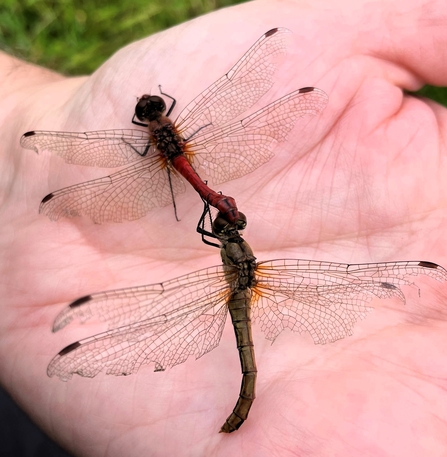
x=201 y=138
x=164 y=324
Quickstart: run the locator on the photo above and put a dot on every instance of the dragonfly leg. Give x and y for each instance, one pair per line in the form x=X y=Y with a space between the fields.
x=197 y=131
x=146 y=149
x=174 y=101
x=172 y=194
x=201 y=225
x=138 y=123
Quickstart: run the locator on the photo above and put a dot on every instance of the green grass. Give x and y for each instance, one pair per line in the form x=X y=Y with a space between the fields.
x=75 y=37
x=439 y=94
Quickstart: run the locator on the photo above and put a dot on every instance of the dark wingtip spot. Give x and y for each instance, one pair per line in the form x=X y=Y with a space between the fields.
x=388 y=285
x=303 y=90
x=69 y=348
x=47 y=198
x=428 y=264
x=29 y=133
x=271 y=32
x=80 y=301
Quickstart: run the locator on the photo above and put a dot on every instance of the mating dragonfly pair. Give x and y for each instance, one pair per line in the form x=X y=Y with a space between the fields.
x=163 y=324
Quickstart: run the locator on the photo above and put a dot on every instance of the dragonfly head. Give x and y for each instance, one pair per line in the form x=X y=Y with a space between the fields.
x=149 y=108
x=225 y=230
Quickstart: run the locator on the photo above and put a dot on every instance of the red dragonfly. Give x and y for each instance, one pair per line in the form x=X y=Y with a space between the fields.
x=200 y=138
x=163 y=324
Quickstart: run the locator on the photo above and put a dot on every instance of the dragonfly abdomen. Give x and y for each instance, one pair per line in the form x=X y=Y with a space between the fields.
x=225 y=204
x=239 y=308
x=172 y=147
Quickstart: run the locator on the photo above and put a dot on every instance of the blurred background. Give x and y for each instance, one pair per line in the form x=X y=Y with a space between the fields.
x=75 y=37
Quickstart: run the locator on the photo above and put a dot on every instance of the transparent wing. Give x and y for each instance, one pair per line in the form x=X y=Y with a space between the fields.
x=237 y=90
x=123 y=196
x=133 y=304
x=233 y=151
x=326 y=299
x=103 y=148
x=163 y=324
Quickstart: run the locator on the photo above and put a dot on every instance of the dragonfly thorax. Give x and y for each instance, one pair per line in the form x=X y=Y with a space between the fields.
x=166 y=139
x=150 y=108
x=239 y=254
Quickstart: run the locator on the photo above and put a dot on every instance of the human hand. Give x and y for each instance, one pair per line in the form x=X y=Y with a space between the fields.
x=363 y=182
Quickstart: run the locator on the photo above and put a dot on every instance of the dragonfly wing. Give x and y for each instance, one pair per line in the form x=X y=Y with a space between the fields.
x=237 y=90
x=123 y=350
x=191 y=322
x=123 y=196
x=133 y=304
x=326 y=299
x=103 y=148
x=235 y=150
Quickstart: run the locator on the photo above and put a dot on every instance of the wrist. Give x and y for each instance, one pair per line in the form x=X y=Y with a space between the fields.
x=18 y=83
x=32 y=98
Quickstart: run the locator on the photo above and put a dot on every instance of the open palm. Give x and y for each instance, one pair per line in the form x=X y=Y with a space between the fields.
x=363 y=182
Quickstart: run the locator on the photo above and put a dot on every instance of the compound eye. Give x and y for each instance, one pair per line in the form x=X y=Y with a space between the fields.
x=219 y=225
x=140 y=107
x=157 y=103
x=241 y=222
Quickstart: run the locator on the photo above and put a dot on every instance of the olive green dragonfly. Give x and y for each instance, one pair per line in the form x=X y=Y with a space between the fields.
x=164 y=324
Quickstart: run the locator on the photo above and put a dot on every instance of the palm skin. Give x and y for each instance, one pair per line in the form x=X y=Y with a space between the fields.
x=363 y=182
